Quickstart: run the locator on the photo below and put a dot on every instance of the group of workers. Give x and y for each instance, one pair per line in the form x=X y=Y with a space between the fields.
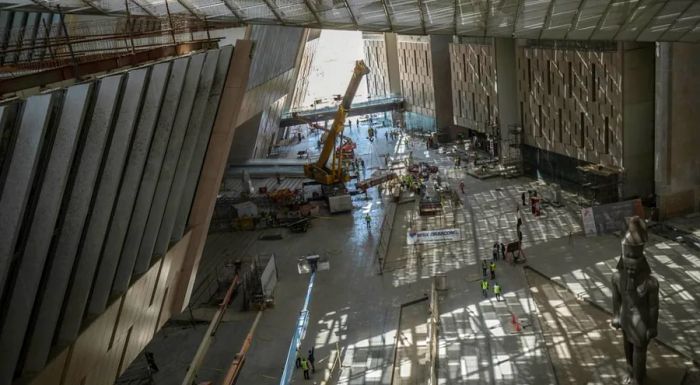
x=488 y=270
x=306 y=363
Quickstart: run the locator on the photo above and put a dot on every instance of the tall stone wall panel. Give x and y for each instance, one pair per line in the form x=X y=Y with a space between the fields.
x=128 y=190
x=302 y=86
x=30 y=265
x=474 y=98
x=201 y=147
x=170 y=164
x=376 y=60
x=18 y=177
x=571 y=102
x=95 y=180
x=415 y=68
x=149 y=180
x=194 y=129
x=268 y=83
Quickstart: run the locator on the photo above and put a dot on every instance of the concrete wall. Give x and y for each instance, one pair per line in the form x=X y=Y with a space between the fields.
x=474 y=97
x=571 y=100
x=507 y=95
x=416 y=73
x=392 y=63
x=442 y=80
x=302 y=84
x=375 y=53
x=677 y=164
x=102 y=161
x=638 y=119
x=277 y=55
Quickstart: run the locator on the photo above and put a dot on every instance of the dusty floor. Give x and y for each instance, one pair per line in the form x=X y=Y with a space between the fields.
x=356 y=311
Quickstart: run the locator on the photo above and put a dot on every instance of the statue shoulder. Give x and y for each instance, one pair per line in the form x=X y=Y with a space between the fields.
x=652 y=283
x=615 y=278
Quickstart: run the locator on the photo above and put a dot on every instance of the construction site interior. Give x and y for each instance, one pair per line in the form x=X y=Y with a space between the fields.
x=355 y=192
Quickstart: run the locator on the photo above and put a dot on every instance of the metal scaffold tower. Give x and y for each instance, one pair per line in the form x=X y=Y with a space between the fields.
x=511 y=152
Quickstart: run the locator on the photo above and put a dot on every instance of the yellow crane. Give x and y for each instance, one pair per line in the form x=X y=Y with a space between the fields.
x=320 y=171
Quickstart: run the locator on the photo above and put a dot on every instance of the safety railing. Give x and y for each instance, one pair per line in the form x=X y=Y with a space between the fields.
x=385 y=235
x=433 y=327
x=368 y=103
x=52 y=42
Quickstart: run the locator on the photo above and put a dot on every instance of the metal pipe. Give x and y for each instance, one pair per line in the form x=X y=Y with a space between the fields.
x=76 y=69
x=170 y=20
x=239 y=359
x=299 y=333
x=208 y=336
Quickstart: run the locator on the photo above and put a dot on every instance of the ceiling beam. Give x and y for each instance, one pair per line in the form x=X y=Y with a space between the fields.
x=457 y=6
x=143 y=8
x=43 y=4
x=648 y=23
x=91 y=4
x=696 y=25
x=189 y=9
x=577 y=17
x=517 y=15
x=313 y=12
x=601 y=20
x=422 y=17
x=352 y=15
x=680 y=15
x=630 y=17
x=388 y=16
x=232 y=9
x=547 y=19
x=274 y=12
x=485 y=15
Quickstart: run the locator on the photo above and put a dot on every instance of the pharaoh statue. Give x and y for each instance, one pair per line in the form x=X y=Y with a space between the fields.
x=635 y=300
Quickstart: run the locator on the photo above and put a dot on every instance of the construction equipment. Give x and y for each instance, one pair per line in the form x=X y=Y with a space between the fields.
x=239 y=359
x=210 y=333
x=346 y=150
x=320 y=171
x=375 y=180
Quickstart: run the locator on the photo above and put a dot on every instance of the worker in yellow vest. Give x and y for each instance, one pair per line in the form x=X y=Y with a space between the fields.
x=497 y=291
x=493 y=270
x=485 y=288
x=305 y=367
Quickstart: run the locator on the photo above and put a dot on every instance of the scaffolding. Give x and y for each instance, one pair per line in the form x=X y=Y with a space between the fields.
x=56 y=42
x=511 y=153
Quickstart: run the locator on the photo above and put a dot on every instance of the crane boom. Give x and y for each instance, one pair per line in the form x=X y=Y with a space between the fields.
x=319 y=170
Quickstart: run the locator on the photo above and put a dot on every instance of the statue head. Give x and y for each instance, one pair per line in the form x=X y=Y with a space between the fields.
x=633 y=263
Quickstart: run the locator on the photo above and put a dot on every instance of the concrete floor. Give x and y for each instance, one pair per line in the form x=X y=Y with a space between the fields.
x=355 y=310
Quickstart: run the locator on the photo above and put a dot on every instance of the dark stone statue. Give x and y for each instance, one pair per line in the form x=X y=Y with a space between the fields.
x=635 y=300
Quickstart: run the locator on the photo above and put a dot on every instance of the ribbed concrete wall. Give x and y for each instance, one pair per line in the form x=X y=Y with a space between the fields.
x=376 y=59
x=98 y=181
x=416 y=70
x=302 y=83
x=474 y=98
x=677 y=164
x=278 y=51
x=571 y=101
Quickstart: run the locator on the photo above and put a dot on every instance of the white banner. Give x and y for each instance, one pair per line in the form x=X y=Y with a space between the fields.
x=432 y=236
